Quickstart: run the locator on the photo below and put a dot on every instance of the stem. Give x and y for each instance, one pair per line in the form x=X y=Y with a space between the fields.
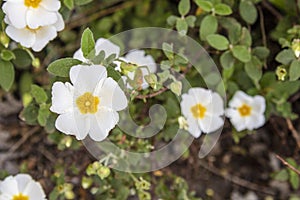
x=288 y=164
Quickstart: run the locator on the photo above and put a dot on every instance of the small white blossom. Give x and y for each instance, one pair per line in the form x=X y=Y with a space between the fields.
x=21 y=187
x=203 y=110
x=102 y=44
x=31 y=13
x=37 y=38
x=246 y=112
x=89 y=105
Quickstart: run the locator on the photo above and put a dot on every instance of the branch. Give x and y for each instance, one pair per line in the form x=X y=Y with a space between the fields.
x=288 y=164
x=295 y=134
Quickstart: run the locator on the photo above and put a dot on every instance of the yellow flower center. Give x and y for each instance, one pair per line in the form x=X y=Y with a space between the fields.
x=198 y=111
x=245 y=110
x=87 y=103
x=20 y=197
x=32 y=3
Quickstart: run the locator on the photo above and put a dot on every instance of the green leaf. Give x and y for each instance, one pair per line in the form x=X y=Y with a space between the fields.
x=294 y=72
x=294 y=179
x=212 y=78
x=246 y=38
x=168 y=50
x=61 y=67
x=217 y=41
x=181 y=26
x=222 y=9
x=111 y=72
x=233 y=27
x=82 y=2
x=261 y=52
x=69 y=4
x=43 y=114
x=23 y=59
x=227 y=60
x=176 y=87
x=38 y=94
x=30 y=113
x=209 y=25
x=227 y=73
x=88 y=43
x=248 y=11
x=7 y=55
x=171 y=20
x=7 y=74
x=282 y=175
x=254 y=69
x=190 y=20
x=285 y=56
x=241 y=53
x=204 y=5
x=184 y=7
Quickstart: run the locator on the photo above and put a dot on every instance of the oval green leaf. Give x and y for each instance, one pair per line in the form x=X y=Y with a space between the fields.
x=218 y=42
x=209 y=25
x=7 y=75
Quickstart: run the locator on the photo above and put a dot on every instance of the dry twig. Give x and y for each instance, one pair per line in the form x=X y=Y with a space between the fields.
x=295 y=134
x=288 y=164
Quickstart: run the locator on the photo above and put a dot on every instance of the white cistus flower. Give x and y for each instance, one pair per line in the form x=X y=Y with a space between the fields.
x=102 y=44
x=31 y=13
x=144 y=62
x=21 y=187
x=89 y=104
x=37 y=38
x=203 y=110
x=246 y=112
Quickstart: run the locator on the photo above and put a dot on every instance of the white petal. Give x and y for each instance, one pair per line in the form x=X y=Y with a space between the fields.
x=73 y=124
x=40 y=17
x=9 y=186
x=16 y=13
x=50 y=5
x=201 y=95
x=79 y=55
x=86 y=78
x=255 y=121
x=24 y=36
x=62 y=97
x=194 y=128
x=216 y=107
x=23 y=180
x=43 y=36
x=102 y=122
x=34 y=191
x=186 y=104
x=259 y=104
x=210 y=124
x=111 y=95
x=138 y=57
x=60 y=24
x=236 y=120
x=107 y=46
x=240 y=98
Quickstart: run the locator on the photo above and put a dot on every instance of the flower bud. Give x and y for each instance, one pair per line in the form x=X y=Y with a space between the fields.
x=296 y=47
x=281 y=73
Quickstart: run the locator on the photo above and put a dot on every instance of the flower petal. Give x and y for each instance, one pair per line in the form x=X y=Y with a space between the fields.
x=102 y=122
x=186 y=104
x=201 y=95
x=72 y=123
x=85 y=78
x=216 y=107
x=138 y=57
x=255 y=121
x=79 y=56
x=259 y=104
x=60 y=24
x=62 y=97
x=111 y=95
x=36 y=18
x=34 y=191
x=9 y=186
x=194 y=128
x=50 y=5
x=211 y=123
x=16 y=13
x=236 y=120
x=23 y=180
x=240 y=98
x=25 y=37
x=43 y=36
x=107 y=46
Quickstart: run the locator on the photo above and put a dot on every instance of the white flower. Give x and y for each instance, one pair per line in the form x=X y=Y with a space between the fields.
x=90 y=105
x=203 y=110
x=31 y=13
x=21 y=187
x=246 y=112
x=101 y=45
x=146 y=64
x=37 y=38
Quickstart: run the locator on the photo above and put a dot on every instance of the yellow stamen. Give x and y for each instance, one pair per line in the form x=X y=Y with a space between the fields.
x=20 y=197
x=87 y=103
x=245 y=110
x=198 y=111
x=32 y=3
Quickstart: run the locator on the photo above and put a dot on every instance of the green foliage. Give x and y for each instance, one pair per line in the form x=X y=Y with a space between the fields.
x=61 y=67
x=218 y=42
x=248 y=11
x=7 y=74
x=88 y=43
x=209 y=25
